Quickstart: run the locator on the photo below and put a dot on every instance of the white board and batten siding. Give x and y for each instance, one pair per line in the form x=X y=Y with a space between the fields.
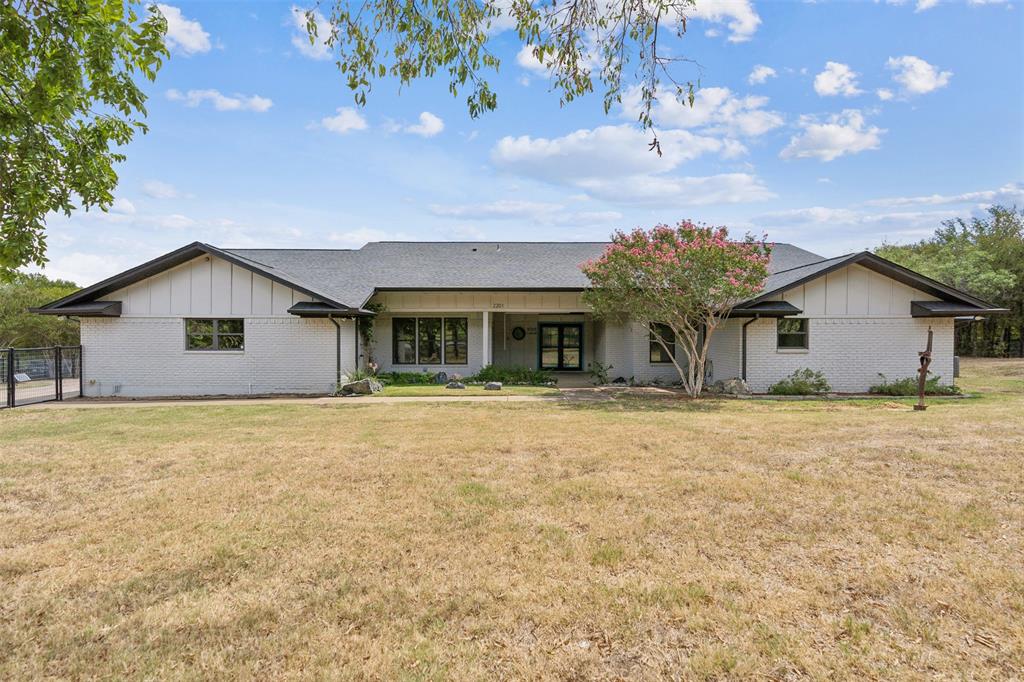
x=860 y=326
x=207 y=287
x=143 y=352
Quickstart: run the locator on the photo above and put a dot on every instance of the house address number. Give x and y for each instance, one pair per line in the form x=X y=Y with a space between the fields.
x=497 y=306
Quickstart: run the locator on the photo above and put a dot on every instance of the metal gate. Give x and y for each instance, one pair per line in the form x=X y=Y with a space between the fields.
x=36 y=375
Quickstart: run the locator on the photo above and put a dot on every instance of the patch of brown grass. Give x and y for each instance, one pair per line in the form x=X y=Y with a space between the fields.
x=700 y=540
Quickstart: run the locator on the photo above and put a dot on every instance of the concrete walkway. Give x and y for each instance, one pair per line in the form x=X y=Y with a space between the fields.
x=88 y=404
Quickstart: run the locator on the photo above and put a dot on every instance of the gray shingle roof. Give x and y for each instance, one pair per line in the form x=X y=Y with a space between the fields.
x=351 y=275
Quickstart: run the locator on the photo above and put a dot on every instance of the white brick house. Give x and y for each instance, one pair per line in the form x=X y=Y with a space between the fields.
x=205 y=321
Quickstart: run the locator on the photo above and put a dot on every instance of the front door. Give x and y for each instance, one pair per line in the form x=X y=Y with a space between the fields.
x=561 y=346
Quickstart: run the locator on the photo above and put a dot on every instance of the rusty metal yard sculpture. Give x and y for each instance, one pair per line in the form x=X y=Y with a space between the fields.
x=922 y=372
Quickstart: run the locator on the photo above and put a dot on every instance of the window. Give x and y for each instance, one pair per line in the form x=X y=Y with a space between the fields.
x=658 y=354
x=430 y=340
x=404 y=331
x=214 y=334
x=792 y=333
x=456 y=340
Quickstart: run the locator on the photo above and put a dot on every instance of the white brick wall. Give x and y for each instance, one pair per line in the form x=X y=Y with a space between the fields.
x=146 y=356
x=851 y=351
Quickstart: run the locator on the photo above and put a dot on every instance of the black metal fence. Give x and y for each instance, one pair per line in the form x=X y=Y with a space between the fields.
x=36 y=375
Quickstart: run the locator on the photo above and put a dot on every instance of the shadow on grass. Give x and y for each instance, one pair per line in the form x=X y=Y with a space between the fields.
x=642 y=404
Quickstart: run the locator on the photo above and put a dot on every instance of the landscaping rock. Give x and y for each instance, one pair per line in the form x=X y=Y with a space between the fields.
x=715 y=388
x=441 y=378
x=362 y=387
x=492 y=386
x=455 y=384
x=735 y=387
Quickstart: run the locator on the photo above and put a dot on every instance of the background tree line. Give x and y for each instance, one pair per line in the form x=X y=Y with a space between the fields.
x=22 y=329
x=985 y=257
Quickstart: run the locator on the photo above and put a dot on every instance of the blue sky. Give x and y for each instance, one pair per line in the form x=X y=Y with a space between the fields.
x=832 y=125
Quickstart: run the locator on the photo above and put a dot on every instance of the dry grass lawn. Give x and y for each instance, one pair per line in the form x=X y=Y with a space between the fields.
x=644 y=539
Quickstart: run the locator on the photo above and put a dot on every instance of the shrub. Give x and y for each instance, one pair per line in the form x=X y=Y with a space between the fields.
x=523 y=376
x=406 y=378
x=599 y=372
x=908 y=387
x=801 y=382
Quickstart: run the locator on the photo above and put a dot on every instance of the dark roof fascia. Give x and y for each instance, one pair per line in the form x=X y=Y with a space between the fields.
x=763 y=309
x=316 y=309
x=883 y=267
x=166 y=262
x=928 y=309
x=88 y=309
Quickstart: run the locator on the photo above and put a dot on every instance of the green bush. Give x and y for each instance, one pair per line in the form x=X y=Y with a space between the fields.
x=908 y=387
x=801 y=382
x=523 y=376
x=406 y=378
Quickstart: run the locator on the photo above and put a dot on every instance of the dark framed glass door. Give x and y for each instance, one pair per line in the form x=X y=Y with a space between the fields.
x=561 y=346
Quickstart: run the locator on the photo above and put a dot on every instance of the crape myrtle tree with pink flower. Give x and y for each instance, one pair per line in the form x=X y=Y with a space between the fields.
x=687 y=277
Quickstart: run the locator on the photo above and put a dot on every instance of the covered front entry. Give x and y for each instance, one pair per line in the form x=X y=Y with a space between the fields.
x=556 y=342
x=561 y=346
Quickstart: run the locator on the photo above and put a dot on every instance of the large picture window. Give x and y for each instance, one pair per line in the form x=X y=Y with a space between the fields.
x=430 y=340
x=202 y=334
x=658 y=353
x=793 y=333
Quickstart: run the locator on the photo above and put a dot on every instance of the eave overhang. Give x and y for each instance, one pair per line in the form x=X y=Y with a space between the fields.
x=172 y=260
x=85 y=309
x=320 y=309
x=951 y=309
x=765 y=309
x=884 y=267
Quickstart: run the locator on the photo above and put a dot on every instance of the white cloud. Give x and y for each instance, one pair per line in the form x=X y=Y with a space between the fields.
x=613 y=163
x=160 y=190
x=922 y=5
x=345 y=121
x=670 y=190
x=1010 y=193
x=86 y=268
x=183 y=35
x=526 y=59
x=836 y=79
x=715 y=111
x=760 y=74
x=884 y=94
x=844 y=133
x=739 y=15
x=429 y=125
x=221 y=102
x=916 y=76
x=360 y=236
x=513 y=209
x=175 y=221
x=123 y=206
x=300 y=36
x=612 y=151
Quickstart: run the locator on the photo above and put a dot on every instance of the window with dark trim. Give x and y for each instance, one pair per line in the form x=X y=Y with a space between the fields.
x=429 y=343
x=793 y=333
x=203 y=334
x=403 y=330
x=430 y=340
x=456 y=340
x=658 y=354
